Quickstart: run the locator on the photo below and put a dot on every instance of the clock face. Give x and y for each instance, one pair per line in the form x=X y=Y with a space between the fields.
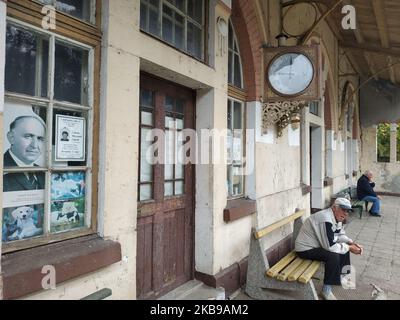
x=290 y=73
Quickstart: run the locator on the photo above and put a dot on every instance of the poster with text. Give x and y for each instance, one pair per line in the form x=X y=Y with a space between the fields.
x=70 y=138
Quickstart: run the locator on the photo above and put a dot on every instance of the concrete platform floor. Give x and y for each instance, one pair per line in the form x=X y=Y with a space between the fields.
x=380 y=262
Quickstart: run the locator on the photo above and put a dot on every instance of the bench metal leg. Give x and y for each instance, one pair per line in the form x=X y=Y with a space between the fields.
x=309 y=292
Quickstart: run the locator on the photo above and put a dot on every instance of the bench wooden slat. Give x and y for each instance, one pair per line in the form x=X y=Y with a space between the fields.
x=263 y=232
x=273 y=271
x=306 y=276
x=284 y=274
x=299 y=270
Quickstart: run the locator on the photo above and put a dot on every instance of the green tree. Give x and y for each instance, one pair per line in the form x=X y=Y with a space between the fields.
x=383 y=142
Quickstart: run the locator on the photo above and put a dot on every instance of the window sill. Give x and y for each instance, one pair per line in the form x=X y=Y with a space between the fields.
x=22 y=271
x=239 y=208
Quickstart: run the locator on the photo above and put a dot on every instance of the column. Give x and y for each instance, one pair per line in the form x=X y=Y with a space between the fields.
x=393 y=142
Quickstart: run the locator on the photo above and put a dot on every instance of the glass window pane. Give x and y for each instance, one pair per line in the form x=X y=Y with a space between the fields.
x=230 y=67
x=168 y=189
x=77 y=8
x=194 y=40
x=238 y=73
x=23 y=221
x=147 y=118
x=169 y=103
x=169 y=155
x=180 y=156
x=179 y=124
x=229 y=124
x=146 y=155
x=179 y=187
x=146 y=191
x=71 y=81
x=179 y=29
x=68 y=201
x=237 y=116
x=169 y=123
x=180 y=4
x=154 y=26
x=195 y=10
x=180 y=105
x=143 y=15
x=237 y=180
x=146 y=98
x=26 y=66
x=229 y=180
x=230 y=37
x=24 y=143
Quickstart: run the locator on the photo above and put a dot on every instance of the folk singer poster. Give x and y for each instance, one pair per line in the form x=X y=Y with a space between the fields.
x=70 y=138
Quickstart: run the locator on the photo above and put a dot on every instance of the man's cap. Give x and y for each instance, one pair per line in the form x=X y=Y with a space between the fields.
x=343 y=203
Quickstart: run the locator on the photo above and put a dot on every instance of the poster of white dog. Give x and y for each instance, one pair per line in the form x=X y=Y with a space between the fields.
x=22 y=222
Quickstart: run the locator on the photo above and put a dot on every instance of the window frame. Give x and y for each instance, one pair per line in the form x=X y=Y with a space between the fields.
x=27 y=15
x=234 y=53
x=204 y=27
x=243 y=158
x=93 y=11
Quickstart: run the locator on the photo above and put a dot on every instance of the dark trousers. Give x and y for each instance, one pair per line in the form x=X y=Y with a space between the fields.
x=334 y=263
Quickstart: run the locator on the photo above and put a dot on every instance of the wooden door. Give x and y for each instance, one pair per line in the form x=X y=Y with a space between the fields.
x=165 y=224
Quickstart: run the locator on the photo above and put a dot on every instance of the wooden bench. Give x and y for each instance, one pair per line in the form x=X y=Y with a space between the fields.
x=351 y=194
x=290 y=273
x=99 y=295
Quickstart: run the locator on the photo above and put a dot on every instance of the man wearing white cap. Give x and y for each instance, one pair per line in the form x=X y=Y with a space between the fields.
x=322 y=237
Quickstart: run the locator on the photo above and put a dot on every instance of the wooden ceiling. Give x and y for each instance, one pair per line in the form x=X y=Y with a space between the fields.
x=374 y=45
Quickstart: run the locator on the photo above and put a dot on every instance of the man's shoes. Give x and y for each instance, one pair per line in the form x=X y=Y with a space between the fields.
x=329 y=296
x=374 y=214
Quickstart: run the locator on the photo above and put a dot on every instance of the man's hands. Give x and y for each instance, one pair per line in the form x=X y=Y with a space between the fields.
x=355 y=248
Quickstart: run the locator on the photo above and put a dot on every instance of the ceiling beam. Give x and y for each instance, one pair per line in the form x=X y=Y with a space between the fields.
x=380 y=16
x=370 y=48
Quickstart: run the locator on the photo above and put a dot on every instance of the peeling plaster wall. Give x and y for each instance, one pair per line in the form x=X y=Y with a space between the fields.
x=386 y=175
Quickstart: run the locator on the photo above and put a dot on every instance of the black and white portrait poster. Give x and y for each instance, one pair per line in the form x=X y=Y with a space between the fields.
x=70 y=138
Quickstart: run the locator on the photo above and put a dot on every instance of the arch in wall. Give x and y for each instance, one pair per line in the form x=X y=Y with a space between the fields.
x=247 y=29
x=347 y=91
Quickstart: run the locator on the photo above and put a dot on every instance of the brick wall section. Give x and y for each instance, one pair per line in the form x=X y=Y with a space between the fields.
x=246 y=26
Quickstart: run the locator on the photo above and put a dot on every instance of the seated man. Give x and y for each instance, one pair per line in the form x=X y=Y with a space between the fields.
x=365 y=192
x=322 y=238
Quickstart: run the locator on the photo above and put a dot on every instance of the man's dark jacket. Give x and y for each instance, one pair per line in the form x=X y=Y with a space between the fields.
x=365 y=188
x=18 y=181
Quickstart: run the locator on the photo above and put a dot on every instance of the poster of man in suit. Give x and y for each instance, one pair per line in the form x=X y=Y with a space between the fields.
x=23 y=191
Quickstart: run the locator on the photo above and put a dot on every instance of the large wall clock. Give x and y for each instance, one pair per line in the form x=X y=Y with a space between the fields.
x=292 y=73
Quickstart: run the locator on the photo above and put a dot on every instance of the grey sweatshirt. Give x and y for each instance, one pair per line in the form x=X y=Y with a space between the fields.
x=322 y=230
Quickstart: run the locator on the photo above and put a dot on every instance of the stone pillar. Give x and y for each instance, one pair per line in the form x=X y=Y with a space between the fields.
x=393 y=142
x=211 y=186
x=119 y=119
x=2 y=64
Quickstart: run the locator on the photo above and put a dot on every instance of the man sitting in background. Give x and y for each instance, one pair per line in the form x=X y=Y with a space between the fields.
x=365 y=192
